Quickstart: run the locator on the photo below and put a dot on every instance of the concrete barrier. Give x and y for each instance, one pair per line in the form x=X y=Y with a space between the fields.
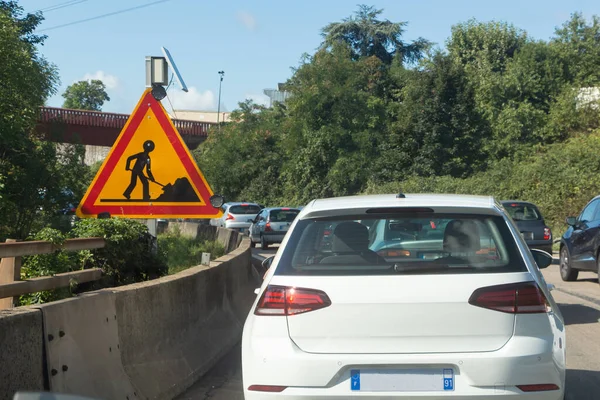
x=168 y=332
x=21 y=351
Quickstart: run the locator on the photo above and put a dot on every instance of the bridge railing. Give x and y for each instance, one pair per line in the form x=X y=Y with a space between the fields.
x=113 y=120
x=11 y=252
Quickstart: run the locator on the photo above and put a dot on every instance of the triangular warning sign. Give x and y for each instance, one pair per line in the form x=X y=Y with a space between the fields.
x=149 y=172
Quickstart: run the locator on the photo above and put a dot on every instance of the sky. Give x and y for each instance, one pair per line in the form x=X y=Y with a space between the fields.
x=257 y=43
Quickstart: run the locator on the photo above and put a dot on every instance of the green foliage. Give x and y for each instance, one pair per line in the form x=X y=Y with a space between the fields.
x=560 y=178
x=37 y=179
x=369 y=36
x=182 y=252
x=47 y=265
x=86 y=95
x=130 y=254
x=465 y=120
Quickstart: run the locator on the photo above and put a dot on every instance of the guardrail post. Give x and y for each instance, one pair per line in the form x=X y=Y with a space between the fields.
x=10 y=271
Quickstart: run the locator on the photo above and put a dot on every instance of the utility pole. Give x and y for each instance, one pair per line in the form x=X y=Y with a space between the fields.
x=222 y=73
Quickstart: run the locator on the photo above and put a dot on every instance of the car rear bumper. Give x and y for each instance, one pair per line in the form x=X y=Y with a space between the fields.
x=523 y=360
x=273 y=237
x=237 y=225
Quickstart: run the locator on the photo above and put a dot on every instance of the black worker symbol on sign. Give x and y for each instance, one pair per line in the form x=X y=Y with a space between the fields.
x=140 y=166
x=142 y=162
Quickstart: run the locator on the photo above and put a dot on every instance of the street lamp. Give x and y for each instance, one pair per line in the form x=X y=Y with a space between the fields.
x=222 y=73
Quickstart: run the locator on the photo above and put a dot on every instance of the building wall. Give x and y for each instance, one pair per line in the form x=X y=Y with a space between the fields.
x=203 y=116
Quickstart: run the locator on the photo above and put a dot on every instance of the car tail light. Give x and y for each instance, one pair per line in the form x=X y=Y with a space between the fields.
x=394 y=253
x=268 y=227
x=544 y=387
x=547 y=234
x=327 y=232
x=281 y=300
x=267 y=388
x=229 y=217
x=517 y=298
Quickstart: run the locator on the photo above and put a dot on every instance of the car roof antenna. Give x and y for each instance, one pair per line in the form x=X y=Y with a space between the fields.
x=400 y=196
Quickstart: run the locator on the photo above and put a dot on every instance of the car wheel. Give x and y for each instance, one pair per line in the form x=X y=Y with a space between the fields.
x=263 y=243
x=566 y=272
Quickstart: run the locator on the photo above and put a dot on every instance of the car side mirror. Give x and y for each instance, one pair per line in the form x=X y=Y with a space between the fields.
x=266 y=263
x=571 y=221
x=542 y=259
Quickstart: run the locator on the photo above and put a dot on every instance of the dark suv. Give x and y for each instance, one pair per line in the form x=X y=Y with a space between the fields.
x=580 y=245
x=531 y=224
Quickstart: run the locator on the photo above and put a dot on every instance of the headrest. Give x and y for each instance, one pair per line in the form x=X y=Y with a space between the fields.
x=350 y=237
x=461 y=236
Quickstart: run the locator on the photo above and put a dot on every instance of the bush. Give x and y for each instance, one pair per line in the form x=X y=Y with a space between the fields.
x=130 y=256
x=559 y=178
x=183 y=252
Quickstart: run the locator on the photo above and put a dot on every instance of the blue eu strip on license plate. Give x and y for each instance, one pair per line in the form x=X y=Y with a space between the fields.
x=355 y=381
x=448 y=379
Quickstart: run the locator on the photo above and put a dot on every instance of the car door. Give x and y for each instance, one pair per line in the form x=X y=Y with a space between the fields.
x=583 y=237
x=255 y=229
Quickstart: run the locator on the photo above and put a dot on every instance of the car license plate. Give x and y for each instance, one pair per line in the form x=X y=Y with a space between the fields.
x=402 y=380
x=527 y=235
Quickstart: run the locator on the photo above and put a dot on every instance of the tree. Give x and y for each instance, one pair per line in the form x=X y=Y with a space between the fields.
x=86 y=95
x=369 y=36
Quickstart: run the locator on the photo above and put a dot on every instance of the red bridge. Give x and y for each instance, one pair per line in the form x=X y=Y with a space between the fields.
x=102 y=128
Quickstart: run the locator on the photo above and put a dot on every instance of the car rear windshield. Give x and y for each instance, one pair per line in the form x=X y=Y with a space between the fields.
x=523 y=211
x=393 y=244
x=245 y=209
x=283 y=215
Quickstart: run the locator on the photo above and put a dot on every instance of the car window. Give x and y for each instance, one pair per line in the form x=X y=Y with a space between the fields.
x=523 y=211
x=588 y=214
x=244 y=209
x=438 y=244
x=283 y=215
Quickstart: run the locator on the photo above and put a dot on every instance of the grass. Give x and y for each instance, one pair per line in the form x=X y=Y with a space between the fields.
x=183 y=252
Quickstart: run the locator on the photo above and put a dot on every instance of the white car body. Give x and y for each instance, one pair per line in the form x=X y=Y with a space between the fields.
x=397 y=333
x=236 y=221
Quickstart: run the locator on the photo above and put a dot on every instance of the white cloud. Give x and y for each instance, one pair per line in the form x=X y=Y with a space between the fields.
x=259 y=99
x=111 y=81
x=192 y=100
x=247 y=19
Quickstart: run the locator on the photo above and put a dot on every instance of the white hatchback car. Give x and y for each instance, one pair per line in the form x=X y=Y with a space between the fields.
x=453 y=306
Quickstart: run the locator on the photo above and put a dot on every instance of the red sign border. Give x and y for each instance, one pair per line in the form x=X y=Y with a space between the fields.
x=88 y=207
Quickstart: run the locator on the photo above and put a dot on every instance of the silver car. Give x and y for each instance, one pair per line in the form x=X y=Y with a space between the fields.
x=237 y=216
x=271 y=225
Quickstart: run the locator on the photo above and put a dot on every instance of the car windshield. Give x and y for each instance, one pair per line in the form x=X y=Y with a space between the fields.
x=523 y=211
x=244 y=209
x=283 y=215
x=437 y=244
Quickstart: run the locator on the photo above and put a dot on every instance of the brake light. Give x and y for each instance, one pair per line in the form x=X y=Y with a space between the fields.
x=517 y=298
x=281 y=300
x=547 y=234
x=326 y=232
x=285 y=209
x=544 y=387
x=268 y=227
x=229 y=217
x=394 y=253
x=267 y=388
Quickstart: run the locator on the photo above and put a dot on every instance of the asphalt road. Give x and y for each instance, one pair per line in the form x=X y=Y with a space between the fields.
x=579 y=302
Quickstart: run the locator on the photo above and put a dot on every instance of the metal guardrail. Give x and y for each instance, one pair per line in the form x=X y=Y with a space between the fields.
x=10 y=267
x=112 y=120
